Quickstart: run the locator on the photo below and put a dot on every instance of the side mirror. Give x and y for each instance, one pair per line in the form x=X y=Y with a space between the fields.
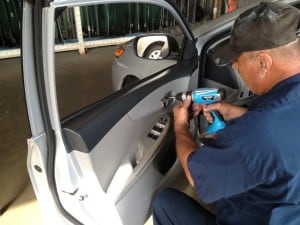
x=156 y=47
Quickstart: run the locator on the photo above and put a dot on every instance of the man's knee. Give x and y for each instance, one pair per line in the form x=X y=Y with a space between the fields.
x=163 y=198
x=162 y=206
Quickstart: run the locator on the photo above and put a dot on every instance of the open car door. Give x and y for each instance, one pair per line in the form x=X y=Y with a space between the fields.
x=103 y=163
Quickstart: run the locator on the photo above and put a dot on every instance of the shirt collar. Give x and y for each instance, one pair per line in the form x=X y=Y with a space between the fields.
x=278 y=91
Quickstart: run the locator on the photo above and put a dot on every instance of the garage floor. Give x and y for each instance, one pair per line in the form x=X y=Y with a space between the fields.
x=13 y=134
x=24 y=211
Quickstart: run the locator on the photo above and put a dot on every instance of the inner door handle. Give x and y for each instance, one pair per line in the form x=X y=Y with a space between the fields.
x=168 y=101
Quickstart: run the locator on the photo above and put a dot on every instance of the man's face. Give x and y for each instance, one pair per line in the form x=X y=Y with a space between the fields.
x=246 y=66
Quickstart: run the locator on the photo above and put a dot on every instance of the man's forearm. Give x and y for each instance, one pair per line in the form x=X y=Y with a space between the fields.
x=185 y=145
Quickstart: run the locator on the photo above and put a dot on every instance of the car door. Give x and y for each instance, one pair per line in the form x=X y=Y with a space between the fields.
x=103 y=163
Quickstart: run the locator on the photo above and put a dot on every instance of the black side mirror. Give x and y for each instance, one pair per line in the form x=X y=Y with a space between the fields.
x=156 y=47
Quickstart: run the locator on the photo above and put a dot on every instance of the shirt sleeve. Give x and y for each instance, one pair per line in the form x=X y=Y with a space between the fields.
x=218 y=170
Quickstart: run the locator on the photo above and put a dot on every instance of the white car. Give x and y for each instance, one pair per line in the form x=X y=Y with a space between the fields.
x=130 y=65
x=104 y=163
x=152 y=55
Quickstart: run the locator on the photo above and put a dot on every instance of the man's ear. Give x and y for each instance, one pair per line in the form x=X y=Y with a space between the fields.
x=265 y=62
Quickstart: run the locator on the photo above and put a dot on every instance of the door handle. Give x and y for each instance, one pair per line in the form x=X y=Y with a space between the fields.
x=168 y=101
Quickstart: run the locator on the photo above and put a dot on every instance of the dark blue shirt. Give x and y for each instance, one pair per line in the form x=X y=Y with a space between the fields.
x=252 y=168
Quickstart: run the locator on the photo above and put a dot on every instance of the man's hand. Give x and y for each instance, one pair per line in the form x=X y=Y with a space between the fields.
x=197 y=108
x=227 y=110
x=181 y=114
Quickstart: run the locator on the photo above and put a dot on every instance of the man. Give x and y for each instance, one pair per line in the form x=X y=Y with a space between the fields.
x=252 y=168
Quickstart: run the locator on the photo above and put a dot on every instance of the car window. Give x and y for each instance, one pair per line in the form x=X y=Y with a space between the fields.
x=86 y=66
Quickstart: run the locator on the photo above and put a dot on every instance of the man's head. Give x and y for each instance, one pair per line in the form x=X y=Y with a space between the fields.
x=268 y=25
x=264 y=45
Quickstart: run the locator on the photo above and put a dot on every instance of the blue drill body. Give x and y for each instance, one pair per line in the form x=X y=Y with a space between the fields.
x=207 y=96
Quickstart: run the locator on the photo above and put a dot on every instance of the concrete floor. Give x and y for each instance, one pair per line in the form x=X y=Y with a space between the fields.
x=13 y=132
x=24 y=210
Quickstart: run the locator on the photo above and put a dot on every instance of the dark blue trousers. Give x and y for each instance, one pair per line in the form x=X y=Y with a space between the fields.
x=172 y=207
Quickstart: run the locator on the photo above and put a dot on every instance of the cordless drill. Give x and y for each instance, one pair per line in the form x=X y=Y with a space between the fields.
x=207 y=96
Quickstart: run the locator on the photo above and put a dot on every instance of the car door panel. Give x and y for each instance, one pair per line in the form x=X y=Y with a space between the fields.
x=132 y=165
x=140 y=121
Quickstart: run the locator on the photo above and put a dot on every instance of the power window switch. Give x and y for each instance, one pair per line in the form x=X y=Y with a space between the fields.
x=158 y=128
x=163 y=120
x=153 y=136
